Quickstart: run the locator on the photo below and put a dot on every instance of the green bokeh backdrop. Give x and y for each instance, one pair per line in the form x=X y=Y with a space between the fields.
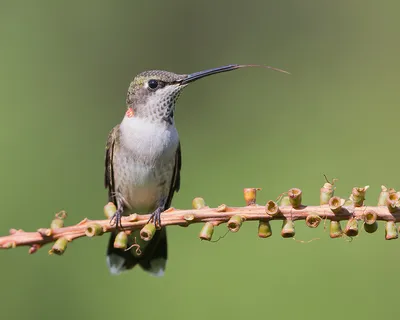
x=65 y=69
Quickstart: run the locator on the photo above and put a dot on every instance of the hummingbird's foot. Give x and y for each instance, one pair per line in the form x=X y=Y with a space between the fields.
x=156 y=217
x=116 y=219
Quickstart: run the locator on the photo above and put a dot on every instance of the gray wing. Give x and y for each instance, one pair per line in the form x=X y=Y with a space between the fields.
x=109 y=171
x=176 y=177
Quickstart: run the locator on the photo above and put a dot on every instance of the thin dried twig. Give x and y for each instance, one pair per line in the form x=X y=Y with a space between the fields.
x=290 y=209
x=191 y=216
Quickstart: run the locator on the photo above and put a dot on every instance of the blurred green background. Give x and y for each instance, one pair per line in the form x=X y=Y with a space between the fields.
x=65 y=70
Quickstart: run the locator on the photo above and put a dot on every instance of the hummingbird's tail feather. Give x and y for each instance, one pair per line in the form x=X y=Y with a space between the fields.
x=153 y=256
x=119 y=260
x=154 y=259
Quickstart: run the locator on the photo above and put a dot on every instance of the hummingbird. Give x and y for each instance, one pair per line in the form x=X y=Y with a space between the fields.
x=143 y=163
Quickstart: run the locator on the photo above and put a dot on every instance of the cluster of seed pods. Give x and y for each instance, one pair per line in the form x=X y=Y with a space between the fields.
x=335 y=209
x=288 y=208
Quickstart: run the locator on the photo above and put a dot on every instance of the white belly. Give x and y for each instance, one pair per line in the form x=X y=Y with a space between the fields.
x=144 y=165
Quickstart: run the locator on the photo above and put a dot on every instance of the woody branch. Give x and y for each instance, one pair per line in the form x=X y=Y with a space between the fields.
x=288 y=208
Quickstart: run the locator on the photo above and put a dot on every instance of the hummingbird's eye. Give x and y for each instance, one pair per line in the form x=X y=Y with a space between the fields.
x=153 y=84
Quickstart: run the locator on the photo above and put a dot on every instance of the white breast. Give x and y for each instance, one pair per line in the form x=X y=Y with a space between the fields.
x=150 y=140
x=145 y=163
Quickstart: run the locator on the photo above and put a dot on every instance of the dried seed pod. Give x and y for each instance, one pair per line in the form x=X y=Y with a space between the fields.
x=264 y=229
x=285 y=201
x=358 y=196
x=335 y=229
x=326 y=192
x=393 y=202
x=295 y=196
x=148 y=231
x=391 y=231
x=370 y=217
x=336 y=204
x=109 y=210
x=198 y=203
x=288 y=230
x=57 y=223
x=94 y=229
x=250 y=195
x=59 y=246
x=370 y=224
x=207 y=231
x=235 y=223
x=313 y=220
x=351 y=229
x=121 y=240
x=272 y=208
x=383 y=196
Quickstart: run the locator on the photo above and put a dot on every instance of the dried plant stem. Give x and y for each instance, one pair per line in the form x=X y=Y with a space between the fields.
x=187 y=217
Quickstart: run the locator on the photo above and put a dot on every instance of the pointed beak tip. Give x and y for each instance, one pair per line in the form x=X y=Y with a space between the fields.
x=201 y=74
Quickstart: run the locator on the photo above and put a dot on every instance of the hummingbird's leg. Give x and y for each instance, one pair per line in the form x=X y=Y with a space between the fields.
x=116 y=218
x=156 y=215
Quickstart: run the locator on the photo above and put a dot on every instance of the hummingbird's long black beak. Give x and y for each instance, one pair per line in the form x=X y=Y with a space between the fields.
x=201 y=74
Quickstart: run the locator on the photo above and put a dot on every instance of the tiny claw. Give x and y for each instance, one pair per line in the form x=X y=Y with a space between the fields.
x=156 y=218
x=116 y=220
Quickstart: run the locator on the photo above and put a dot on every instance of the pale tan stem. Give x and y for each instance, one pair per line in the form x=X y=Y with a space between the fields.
x=180 y=217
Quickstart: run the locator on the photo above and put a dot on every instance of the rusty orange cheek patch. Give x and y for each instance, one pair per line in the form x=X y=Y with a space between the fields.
x=129 y=113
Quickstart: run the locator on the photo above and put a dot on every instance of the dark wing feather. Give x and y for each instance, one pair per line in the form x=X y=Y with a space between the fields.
x=176 y=177
x=109 y=172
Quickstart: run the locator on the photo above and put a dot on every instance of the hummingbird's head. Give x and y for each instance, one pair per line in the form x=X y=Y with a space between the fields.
x=153 y=94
